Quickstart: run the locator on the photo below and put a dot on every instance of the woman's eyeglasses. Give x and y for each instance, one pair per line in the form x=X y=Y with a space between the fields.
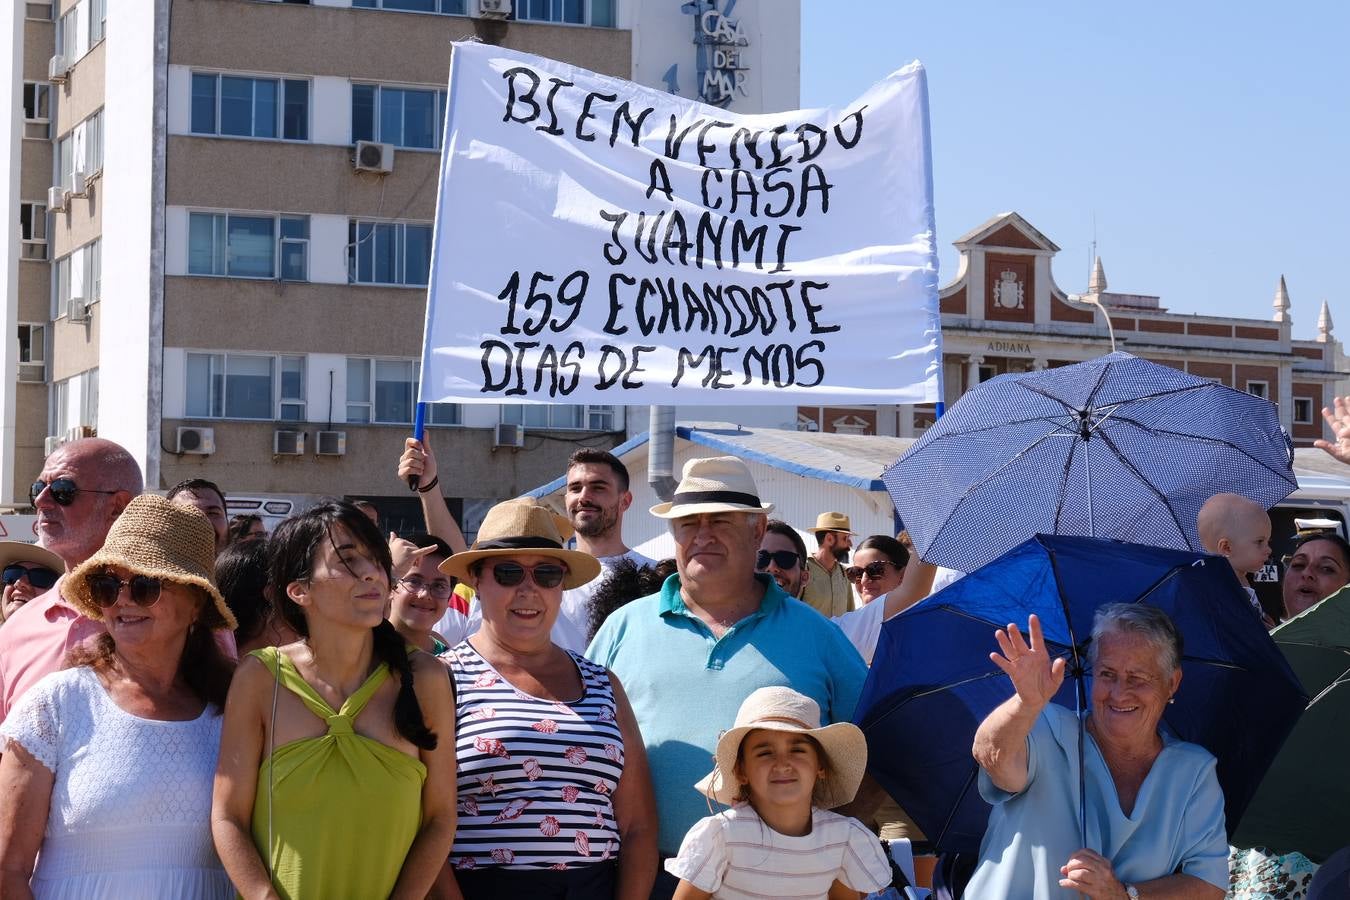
x=784 y=559
x=873 y=570
x=546 y=575
x=105 y=589
x=39 y=577
x=62 y=490
x=436 y=590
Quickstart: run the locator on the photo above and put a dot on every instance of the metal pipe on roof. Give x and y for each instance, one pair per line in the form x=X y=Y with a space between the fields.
x=661 y=451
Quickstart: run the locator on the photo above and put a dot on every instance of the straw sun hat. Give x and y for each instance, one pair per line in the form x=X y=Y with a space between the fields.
x=832 y=521
x=713 y=484
x=163 y=540
x=518 y=528
x=18 y=551
x=783 y=709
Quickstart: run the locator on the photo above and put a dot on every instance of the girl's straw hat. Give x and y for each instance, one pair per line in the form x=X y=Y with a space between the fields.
x=518 y=528
x=163 y=540
x=783 y=709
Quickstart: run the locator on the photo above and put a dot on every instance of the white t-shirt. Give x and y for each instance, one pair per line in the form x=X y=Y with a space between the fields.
x=862 y=627
x=572 y=629
x=735 y=855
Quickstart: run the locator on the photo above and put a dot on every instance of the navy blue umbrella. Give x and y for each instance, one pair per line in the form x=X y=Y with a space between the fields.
x=1114 y=447
x=932 y=682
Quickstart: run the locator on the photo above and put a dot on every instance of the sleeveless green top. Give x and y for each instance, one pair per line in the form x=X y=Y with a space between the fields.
x=344 y=809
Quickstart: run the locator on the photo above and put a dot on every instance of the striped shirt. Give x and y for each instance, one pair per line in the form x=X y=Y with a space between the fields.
x=536 y=777
x=735 y=856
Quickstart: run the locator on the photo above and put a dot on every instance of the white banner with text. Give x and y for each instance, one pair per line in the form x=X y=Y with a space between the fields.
x=601 y=242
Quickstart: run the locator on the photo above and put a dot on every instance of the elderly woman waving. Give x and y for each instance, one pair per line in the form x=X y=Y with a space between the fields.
x=1154 y=807
x=107 y=766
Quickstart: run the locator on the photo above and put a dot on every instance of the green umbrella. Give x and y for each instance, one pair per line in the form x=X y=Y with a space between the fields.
x=1303 y=804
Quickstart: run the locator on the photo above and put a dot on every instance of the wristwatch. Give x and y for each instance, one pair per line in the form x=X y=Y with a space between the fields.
x=1132 y=892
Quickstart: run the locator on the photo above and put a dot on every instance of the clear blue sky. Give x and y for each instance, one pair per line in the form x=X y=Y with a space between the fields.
x=1211 y=140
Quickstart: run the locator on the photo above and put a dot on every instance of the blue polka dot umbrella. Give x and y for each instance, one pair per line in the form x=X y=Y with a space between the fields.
x=1115 y=447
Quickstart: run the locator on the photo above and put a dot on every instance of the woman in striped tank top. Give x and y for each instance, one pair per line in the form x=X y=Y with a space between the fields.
x=555 y=798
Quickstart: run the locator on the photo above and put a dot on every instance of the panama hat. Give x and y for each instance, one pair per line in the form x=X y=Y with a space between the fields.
x=832 y=521
x=783 y=709
x=18 y=551
x=713 y=484
x=519 y=527
x=163 y=540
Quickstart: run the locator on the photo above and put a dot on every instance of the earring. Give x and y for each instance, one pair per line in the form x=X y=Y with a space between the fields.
x=1172 y=699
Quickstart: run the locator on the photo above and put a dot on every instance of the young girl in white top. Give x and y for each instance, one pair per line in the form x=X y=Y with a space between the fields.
x=781 y=773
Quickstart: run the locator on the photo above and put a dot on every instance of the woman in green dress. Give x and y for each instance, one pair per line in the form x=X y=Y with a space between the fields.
x=337 y=764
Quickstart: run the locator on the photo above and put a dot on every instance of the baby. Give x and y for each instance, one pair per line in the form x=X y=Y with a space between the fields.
x=1238 y=529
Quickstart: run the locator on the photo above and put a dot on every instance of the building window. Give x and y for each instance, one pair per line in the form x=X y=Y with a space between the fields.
x=93 y=144
x=411 y=118
x=32 y=352
x=443 y=7
x=1259 y=389
x=240 y=106
x=93 y=271
x=244 y=246
x=61 y=287
x=388 y=253
x=599 y=13
x=567 y=417
x=67 y=42
x=98 y=17
x=1303 y=410
x=37 y=110
x=74 y=403
x=41 y=12
x=230 y=386
x=65 y=161
x=987 y=372
x=384 y=392
x=292 y=389
x=32 y=231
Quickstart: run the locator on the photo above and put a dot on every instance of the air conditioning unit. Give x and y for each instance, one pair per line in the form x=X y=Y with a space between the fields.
x=288 y=443
x=505 y=435
x=33 y=372
x=77 y=432
x=330 y=443
x=57 y=68
x=79 y=185
x=199 y=441
x=373 y=157
x=494 y=9
x=50 y=444
x=56 y=198
x=79 y=309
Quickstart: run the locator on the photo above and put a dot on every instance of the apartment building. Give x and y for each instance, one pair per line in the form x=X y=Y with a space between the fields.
x=222 y=215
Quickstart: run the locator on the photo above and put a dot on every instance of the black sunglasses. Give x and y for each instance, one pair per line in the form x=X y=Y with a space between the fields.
x=510 y=574
x=63 y=490
x=105 y=589
x=785 y=559
x=873 y=570
x=39 y=577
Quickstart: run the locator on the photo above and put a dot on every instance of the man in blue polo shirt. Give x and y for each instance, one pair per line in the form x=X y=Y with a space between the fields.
x=717 y=631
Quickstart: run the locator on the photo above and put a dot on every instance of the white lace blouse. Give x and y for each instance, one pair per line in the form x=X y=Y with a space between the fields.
x=131 y=802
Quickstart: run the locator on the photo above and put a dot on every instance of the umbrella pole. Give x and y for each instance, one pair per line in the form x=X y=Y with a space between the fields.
x=1092 y=522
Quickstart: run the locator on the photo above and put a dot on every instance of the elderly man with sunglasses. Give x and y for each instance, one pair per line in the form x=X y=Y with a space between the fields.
x=82 y=489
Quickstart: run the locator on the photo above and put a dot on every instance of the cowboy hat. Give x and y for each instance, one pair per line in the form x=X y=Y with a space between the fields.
x=783 y=709
x=713 y=484
x=519 y=528
x=18 y=551
x=832 y=521
x=160 y=539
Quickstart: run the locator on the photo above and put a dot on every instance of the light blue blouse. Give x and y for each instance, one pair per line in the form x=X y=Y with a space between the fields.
x=1177 y=825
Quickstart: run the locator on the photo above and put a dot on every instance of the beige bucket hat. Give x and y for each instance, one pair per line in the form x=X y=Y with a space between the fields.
x=18 y=551
x=783 y=709
x=713 y=484
x=163 y=540
x=519 y=527
x=832 y=521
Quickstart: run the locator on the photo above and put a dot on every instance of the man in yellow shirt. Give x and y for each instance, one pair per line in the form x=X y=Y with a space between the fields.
x=828 y=590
